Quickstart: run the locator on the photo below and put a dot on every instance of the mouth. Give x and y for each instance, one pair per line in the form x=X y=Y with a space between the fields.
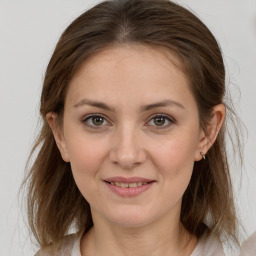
x=128 y=187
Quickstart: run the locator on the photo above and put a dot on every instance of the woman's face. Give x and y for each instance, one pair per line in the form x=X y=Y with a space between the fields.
x=131 y=133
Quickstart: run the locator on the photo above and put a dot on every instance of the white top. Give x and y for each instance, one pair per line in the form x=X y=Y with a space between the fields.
x=70 y=246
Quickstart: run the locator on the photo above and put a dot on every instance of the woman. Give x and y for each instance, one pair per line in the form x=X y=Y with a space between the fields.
x=132 y=149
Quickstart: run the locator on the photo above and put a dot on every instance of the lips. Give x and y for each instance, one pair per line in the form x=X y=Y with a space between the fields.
x=128 y=187
x=128 y=180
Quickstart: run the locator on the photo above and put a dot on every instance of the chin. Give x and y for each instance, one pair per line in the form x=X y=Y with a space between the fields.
x=130 y=218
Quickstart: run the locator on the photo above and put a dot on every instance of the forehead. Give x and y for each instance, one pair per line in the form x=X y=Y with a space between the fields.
x=129 y=54
x=129 y=70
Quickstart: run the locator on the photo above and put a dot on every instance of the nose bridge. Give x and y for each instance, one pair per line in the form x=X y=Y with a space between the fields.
x=127 y=150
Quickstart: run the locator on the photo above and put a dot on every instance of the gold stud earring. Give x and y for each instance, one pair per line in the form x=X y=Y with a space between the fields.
x=203 y=155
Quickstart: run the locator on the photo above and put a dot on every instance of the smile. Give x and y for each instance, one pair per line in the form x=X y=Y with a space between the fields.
x=128 y=187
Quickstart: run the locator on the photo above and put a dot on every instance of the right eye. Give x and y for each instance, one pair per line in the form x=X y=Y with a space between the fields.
x=95 y=121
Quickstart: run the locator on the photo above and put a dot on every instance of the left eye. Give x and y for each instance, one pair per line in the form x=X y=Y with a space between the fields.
x=95 y=121
x=160 y=121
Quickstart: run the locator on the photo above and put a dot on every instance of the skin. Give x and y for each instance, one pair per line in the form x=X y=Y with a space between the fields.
x=129 y=141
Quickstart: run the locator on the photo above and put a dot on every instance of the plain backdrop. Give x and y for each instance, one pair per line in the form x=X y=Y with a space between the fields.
x=29 y=31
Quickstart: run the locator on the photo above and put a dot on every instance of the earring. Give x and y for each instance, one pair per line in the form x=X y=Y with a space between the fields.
x=203 y=155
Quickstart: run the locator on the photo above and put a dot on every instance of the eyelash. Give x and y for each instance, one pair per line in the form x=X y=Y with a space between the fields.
x=166 y=117
x=88 y=117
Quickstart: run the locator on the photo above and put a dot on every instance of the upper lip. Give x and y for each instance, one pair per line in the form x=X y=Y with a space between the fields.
x=128 y=180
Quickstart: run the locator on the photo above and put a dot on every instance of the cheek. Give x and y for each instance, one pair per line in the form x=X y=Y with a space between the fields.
x=177 y=150
x=174 y=159
x=86 y=156
x=86 y=162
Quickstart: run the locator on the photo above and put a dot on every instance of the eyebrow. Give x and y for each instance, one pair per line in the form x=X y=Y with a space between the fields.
x=94 y=104
x=165 y=103
x=98 y=104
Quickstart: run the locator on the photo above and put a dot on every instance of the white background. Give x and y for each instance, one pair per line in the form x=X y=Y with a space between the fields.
x=29 y=31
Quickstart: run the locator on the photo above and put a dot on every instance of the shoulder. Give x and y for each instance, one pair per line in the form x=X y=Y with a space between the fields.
x=63 y=247
x=210 y=246
x=249 y=246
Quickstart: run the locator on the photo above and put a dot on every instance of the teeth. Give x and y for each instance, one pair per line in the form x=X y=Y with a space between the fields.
x=130 y=185
x=133 y=185
x=124 y=185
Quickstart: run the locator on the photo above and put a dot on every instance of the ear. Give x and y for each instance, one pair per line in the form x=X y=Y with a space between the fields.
x=52 y=119
x=207 y=137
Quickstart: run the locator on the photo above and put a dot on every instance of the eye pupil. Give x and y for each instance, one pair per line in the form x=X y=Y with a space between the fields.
x=159 y=121
x=97 y=120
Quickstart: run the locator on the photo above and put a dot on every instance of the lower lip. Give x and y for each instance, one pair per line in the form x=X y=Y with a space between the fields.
x=129 y=192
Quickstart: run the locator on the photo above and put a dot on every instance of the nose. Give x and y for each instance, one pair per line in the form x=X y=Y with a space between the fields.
x=127 y=150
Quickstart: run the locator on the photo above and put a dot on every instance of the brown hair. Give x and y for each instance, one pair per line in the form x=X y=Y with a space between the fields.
x=53 y=200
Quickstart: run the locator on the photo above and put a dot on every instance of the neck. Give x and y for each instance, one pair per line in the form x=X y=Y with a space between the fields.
x=156 y=238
